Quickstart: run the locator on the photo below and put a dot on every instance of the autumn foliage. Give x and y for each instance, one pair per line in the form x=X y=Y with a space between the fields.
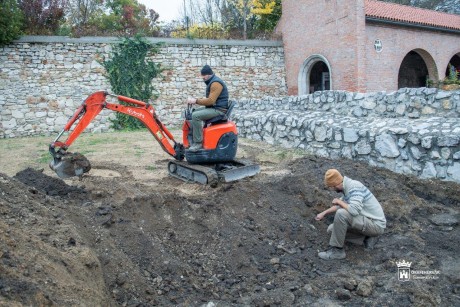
x=42 y=17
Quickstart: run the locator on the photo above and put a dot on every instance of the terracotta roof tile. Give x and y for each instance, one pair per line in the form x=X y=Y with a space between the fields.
x=409 y=14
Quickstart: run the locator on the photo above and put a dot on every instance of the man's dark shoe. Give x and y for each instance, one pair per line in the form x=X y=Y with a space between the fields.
x=369 y=242
x=333 y=253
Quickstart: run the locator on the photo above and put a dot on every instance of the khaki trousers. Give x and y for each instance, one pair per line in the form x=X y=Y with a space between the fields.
x=351 y=228
x=198 y=116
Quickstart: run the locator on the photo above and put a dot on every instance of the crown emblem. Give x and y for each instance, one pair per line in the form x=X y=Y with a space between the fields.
x=403 y=264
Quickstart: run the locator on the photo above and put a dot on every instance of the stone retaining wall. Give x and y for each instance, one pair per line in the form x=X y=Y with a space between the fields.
x=43 y=80
x=411 y=131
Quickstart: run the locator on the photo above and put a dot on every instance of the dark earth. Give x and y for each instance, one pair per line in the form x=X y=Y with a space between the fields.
x=122 y=242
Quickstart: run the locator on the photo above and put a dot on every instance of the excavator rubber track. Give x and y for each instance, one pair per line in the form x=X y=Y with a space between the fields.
x=212 y=174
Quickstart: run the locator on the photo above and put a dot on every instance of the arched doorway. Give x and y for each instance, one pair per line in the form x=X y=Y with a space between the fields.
x=315 y=75
x=416 y=69
x=454 y=66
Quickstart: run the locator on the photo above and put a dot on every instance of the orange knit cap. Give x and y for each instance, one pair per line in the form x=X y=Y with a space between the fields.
x=332 y=178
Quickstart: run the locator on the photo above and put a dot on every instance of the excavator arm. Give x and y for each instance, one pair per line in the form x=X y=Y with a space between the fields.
x=66 y=164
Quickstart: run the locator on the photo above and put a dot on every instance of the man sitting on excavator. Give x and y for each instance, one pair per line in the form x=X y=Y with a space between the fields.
x=215 y=104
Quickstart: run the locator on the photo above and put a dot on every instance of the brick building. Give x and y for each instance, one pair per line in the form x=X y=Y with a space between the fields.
x=365 y=45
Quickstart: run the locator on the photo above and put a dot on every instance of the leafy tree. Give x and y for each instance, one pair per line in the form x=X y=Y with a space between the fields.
x=244 y=16
x=80 y=12
x=205 y=12
x=250 y=12
x=127 y=17
x=268 y=15
x=111 y=17
x=10 y=21
x=214 y=31
x=42 y=16
x=244 y=8
x=130 y=74
x=263 y=7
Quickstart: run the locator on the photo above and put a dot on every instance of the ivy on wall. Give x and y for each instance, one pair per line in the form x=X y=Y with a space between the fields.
x=130 y=74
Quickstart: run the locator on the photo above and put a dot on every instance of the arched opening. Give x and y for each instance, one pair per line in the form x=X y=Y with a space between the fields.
x=413 y=71
x=319 y=77
x=416 y=69
x=453 y=67
x=315 y=75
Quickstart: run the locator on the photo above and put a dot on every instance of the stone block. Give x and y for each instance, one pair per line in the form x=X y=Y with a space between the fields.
x=428 y=110
x=363 y=148
x=448 y=141
x=368 y=104
x=320 y=133
x=445 y=153
x=441 y=171
x=295 y=132
x=386 y=146
x=416 y=152
x=456 y=155
x=357 y=112
x=453 y=171
x=429 y=171
x=402 y=143
x=335 y=145
x=9 y=124
x=398 y=130
x=359 y=96
x=426 y=142
x=350 y=135
x=404 y=155
x=347 y=152
x=446 y=104
x=435 y=155
x=443 y=95
x=17 y=114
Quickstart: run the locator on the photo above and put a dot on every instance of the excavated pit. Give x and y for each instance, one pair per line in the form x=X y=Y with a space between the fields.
x=121 y=241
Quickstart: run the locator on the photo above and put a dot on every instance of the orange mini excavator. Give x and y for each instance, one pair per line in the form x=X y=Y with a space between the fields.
x=214 y=163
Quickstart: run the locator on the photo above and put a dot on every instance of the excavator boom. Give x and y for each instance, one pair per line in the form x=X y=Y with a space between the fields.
x=66 y=164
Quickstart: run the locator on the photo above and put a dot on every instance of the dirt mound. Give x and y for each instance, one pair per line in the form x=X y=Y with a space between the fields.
x=46 y=184
x=44 y=258
x=249 y=243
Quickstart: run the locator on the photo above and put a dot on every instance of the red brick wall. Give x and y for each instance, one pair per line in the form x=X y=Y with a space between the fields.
x=337 y=30
x=436 y=48
x=328 y=28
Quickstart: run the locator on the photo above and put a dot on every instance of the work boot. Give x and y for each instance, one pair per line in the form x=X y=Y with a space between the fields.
x=333 y=253
x=196 y=147
x=369 y=242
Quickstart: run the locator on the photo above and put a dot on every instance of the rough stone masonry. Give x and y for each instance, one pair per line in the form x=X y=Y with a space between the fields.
x=410 y=131
x=44 y=79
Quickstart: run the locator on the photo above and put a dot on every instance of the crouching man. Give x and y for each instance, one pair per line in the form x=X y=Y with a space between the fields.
x=358 y=219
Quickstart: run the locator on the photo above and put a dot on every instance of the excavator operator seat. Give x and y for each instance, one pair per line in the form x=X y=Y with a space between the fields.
x=221 y=118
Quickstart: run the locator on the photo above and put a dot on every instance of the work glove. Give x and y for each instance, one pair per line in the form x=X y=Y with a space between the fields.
x=191 y=100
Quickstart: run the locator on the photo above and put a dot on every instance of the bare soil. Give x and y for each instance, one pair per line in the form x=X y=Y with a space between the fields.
x=127 y=234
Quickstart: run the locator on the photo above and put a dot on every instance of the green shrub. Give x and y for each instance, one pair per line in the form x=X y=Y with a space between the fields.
x=130 y=74
x=11 y=21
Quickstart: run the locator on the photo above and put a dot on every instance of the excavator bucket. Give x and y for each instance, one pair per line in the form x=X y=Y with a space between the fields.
x=70 y=165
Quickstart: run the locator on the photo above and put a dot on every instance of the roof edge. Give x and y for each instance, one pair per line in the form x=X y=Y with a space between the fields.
x=413 y=7
x=411 y=25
